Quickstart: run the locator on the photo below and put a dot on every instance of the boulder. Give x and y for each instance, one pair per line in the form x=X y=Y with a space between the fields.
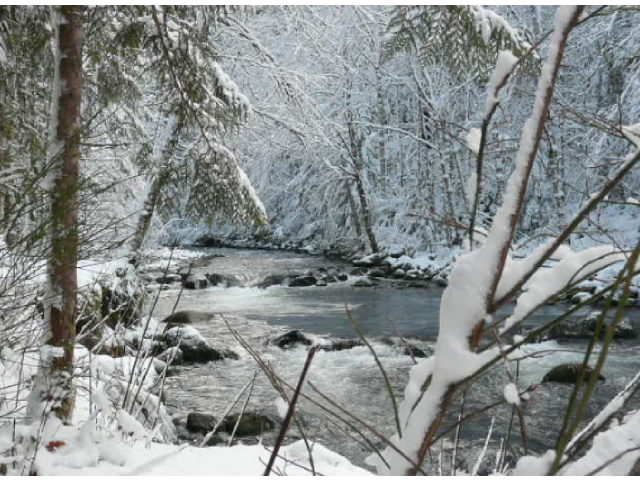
x=168 y=279
x=271 y=280
x=413 y=274
x=441 y=281
x=203 y=353
x=184 y=317
x=415 y=352
x=218 y=280
x=328 y=279
x=159 y=366
x=363 y=282
x=207 y=242
x=397 y=251
x=200 y=422
x=192 y=283
x=321 y=282
x=568 y=373
x=303 y=281
x=580 y=297
x=340 y=344
x=357 y=272
x=194 y=347
x=250 y=424
x=584 y=328
x=290 y=340
x=342 y=277
x=172 y=356
x=378 y=272
x=369 y=260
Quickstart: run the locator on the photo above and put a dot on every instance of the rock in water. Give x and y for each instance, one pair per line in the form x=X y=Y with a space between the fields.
x=251 y=424
x=195 y=348
x=341 y=344
x=291 y=339
x=200 y=422
x=363 y=282
x=271 y=280
x=568 y=373
x=415 y=352
x=584 y=328
x=184 y=317
x=303 y=281
x=192 y=283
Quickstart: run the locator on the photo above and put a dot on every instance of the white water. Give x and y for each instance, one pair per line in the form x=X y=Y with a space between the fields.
x=351 y=377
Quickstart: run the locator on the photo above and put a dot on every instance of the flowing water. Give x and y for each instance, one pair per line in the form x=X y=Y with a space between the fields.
x=352 y=378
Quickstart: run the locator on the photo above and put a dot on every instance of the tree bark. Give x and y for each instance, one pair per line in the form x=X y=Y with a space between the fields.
x=358 y=166
x=60 y=307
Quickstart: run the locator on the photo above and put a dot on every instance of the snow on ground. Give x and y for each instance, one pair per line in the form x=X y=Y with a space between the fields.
x=168 y=460
x=105 y=439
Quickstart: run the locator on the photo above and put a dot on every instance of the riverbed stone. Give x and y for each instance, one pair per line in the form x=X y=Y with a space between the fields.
x=369 y=260
x=250 y=424
x=357 y=272
x=172 y=356
x=362 y=282
x=340 y=344
x=195 y=348
x=378 y=272
x=584 y=328
x=580 y=297
x=184 y=317
x=200 y=422
x=415 y=352
x=441 y=281
x=342 y=277
x=568 y=373
x=396 y=251
x=168 y=279
x=196 y=283
x=399 y=273
x=271 y=280
x=303 y=281
x=290 y=339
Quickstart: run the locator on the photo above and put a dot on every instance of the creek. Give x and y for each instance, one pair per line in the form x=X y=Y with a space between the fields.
x=351 y=378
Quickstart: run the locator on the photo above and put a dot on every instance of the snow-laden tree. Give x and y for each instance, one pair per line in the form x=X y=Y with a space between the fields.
x=485 y=279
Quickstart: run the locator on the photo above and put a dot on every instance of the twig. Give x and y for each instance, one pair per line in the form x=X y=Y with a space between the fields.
x=292 y=406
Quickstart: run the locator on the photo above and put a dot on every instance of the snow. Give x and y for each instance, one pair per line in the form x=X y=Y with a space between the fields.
x=504 y=65
x=282 y=407
x=511 y=394
x=473 y=140
x=607 y=446
x=615 y=405
x=472 y=188
x=632 y=132
x=92 y=446
x=169 y=460
x=547 y=282
x=534 y=466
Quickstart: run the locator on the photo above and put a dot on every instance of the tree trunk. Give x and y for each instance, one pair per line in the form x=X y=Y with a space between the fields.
x=358 y=167
x=155 y=189
x=56 y=363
